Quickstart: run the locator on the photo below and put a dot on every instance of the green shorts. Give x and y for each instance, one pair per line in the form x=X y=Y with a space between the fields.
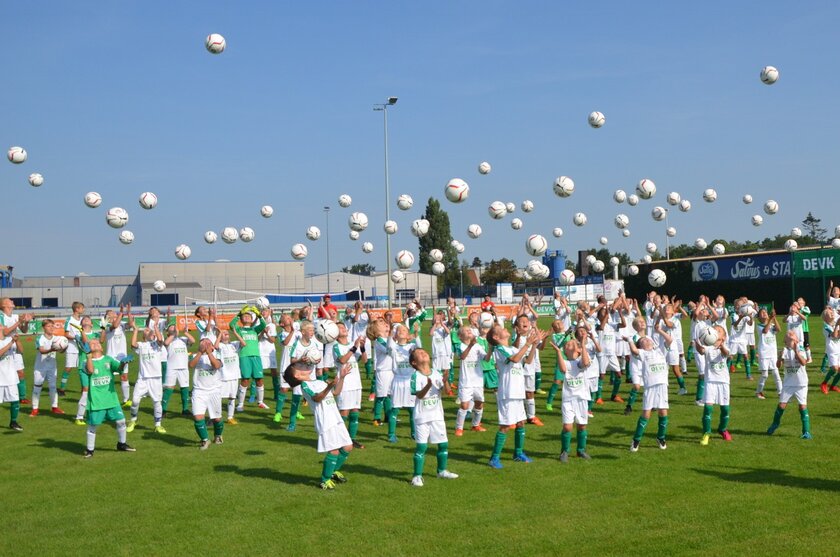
x=491 y=379
x=96 y=417
x=559 y=375
x=84 y=378
x=163 y=373
x=250 y=367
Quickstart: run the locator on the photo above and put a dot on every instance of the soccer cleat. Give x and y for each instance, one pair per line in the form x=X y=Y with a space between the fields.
x=240 y=408
x=79 y=421
x=583 y=455
x=25 y=401
x=806 y=435
x=186 y=412
x=88 y=453
x=357 y=445
x=705 y=439
x=160 y=429
x=699 y=403
x=61 y=392
x=262 y=406
x=590 y=414
x=662 y=444
x=459 y=432
x=760 y=396
x=536 y=421
x=634 y=446
x=417 y=481
x=392 y=438
x=126 y=448
x=338 y=477
x=377 y=423
x=749 y=377
x=251 y=399
x=33 y=413
x=682 y=391
x=372 y=397
x=447 y=475
x=127 y=404
x=522 y=457
x=599 y=401
x=56 y=410
x=617 y=398
x=327 y=485
x=549 y=407
x=204 y=444
x=564 y=457
x=478 y=428
x=726 y=435
x=824 y=388
x=278 y=417
x=835 y=388
x=15 y=426
x=540 y=392
x=300 y=416
x=232 y=421
x=628 y=410
x=772 y=429
x=291 y=427
x=495 y=463
x=131 y=425
x=218 y=440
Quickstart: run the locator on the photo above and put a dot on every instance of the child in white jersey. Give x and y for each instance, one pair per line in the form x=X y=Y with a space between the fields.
x=46 y=368
x=522 y=326
x=379 y=333
x=229 y=354
x=176 y=357
x=116 y=345
x=441 y=344
x=149 y=353
x=268 y=350
x=793 y=360
x=634 y=367
x=610 y=322
x=288 y=335
x=767 y=351
x=354 y=355
x=576 y=397
x=470 y=381
x=717 y=385
x=401 y=396
x=206 y=394
x=655 y=379
x=308 y=350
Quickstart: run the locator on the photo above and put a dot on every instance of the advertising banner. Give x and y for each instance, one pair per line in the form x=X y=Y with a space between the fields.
x=816 y=263
x=754 y=267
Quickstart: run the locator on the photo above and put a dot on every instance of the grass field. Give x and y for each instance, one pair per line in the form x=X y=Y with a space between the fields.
x=256 y=494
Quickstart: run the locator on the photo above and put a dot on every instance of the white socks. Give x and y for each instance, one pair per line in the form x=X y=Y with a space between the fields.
x=125 y=390
x=121 y=431
x=36 y=395
x=260 y=394
x=240 y=399
x=231 y=408
x=530 y=408
x=158 y=412
x=476 y=418
x=683 y=365
x=459 y=420
x=91 y=437
x=80 y=411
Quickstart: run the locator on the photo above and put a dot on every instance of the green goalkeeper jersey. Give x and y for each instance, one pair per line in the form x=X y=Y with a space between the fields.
x=806 y=312
x=251 y=336
x=101 y=394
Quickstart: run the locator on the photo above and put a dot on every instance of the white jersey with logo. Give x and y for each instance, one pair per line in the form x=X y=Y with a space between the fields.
x=767 y=347
x=326 y=411
x=115 y=341
x=72 y=329
x=8 y=369
x=149 y=354
x=229 y=354
x=795 y=373
x=471 y=374
x=177 y=355
x=429 y=408
x=205 y=376
x=575 y=385
x=353 y=380
x=654 y=368
x=511 y=374
x=717 y=370
x=206 y=329
x=832 y=345
x=267 y=347
x=44 y=363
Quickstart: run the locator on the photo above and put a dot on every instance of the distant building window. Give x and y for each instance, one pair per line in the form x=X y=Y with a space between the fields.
x=24 y=303
x=164 y=299
x=49 y=302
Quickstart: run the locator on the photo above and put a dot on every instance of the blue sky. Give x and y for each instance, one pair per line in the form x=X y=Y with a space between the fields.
x=121 y=98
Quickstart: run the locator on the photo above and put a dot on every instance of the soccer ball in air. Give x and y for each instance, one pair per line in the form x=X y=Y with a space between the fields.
x=354 y=235
x=621 y=221
x=326 y=331
x=159 y=286
x=484 y=168
x=266 y=211
x=620 y=196
x=709 y=336
x=313 y=233
x=567 y=277
x=344 y=200
x=791 y=245
x=757 y=220
x=116 y=217
x=709 y=195
x=299 y=251
x=673 y=198
x=747 y=199
x=210 y=237
x=771 y=207
x=650 y=248
x=659 y=213
x=405 y=202
x=397 y=276
x=358 y=221
x=126 y=237
x=579 y=219
x=367 y=247
x=497 y=210
x=557 y=232
x=596 y=119
x=603 y=240
x=796 y=232
x=473 y=231
x=646 y=188
x=685 y=205
x=183 y=251
x=718 y=249
x=563 y=186
x=148 y=200
x=262 y=303
x=598 y=266
x=229 y=235
x=632 y=199
x=36 y=181
x=457 y=190
x=16 y=155
x=516 y=224
x=420 y=227
x=657 y=278
x=390 y=227
x=93 y=199
x=404 y=259
x=246 y=234
x=769 y=75
x=435 y=254
x=438 y=268
x=700 y=243
x=536 y=245
x=633 y=270
x=527 y=206
x=215 y=43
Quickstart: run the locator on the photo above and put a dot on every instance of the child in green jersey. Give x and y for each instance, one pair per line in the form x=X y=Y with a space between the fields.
x=248 y=324
x=103 y=403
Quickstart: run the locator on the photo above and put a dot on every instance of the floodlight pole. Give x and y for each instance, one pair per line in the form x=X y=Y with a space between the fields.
x=327 y=212
x=383 y=107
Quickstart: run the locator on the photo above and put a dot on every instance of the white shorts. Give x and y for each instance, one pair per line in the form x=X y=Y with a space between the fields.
x=622 y=349
x=230 y=388
x=269 y=361
x=750 y=337
x=738 y=346
x=511 y=411
x=833 y=360
x=766 y=364
x=431 y=432
x=656 y=396
x=334 y=438
x=717 y=393
x=180 y=376
x=18 y=361
x=350 y=400
x=680 y=348
x=530 y=383
x=801 y=394
x=467 y=394
x=206 y=403
x=150 y=387
x=609 y=363
x=41 y=377
x=401 y=396
x=383 y=383
x=635 y=371
x=442 y=363
x=575 y=410
x=672 y=357
x=700 y=362
x=328 y=359
x=592 y=384
x=71 y=360
x=9 y=393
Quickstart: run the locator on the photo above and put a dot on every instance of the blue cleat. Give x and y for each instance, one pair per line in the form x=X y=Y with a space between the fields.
x=772 y=429
x=392 y=438
x=807 y=435
x=522 y=458
x=495 y=463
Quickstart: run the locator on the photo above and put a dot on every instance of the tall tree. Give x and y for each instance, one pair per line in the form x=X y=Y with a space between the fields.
x=502 y=270
x=359 y=269
x=439 y=237
x=814 y=228
x=476 y=262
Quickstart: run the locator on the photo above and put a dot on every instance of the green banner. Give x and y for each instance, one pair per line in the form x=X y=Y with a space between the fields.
x=816 y=263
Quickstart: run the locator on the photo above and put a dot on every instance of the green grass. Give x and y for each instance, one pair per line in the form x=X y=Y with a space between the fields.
x=256 y=493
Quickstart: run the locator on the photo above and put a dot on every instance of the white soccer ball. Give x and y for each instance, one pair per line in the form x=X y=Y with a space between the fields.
x=312 y=355
x=516 y=224
x=148 y=200
x=473 y=231
x=459 y=247
x=116 y=217
x=596 y=119
x=673 y=198
x=438 y=268
x=354 y=235
x=510 y=206
x=791 y=245
x=650 y=247
x=367 y=247
x=435 y=254
x=456 y=190
x=536 y=245
x=497 y=210
x=93 y=199
x=837 y=231
x=16 y=155
x=210 y=237
x=567 y=277
x=647 y=259
x=579 y=219
x=603 y=240
x=632 y=199
x=718 y=249
x=658 y=213
x=633 y=270
x=621 y=221
x=404 y=259
x=670 y=231
x=835 y=243
x=700 y=243
x=748 y=308
x=405 y=202
x=557 y=232
x=542 y=272
x=420 y=228
x=747 y=199
x=326 y=331
x=246 y=234
x=533 y=266
x=390 y=227
x=590 y=259
x=313 y=233
x=685 y=205
x=771 y=207
x=598 y=266
x=620 y=196
x=36 y=181
x=344 y=200
x=757 y=220
x=266 y=211
x=709 y=195
x=229 y=235
x=563 y=186
x=183 y=251
x=486 y=320
x=299 y=251
x=159 y=286
x=657 y=278
x=796 y=232
x=769 y=75
x=625 y=233
x=484 y=167
x=358 y=221
x=397 y=276
x=126 y=237
x=215 y=43
x=60 y=343
x=614 y=261
x=527 y=206
x=646 y=188
x=262 y=303
x=709 y=336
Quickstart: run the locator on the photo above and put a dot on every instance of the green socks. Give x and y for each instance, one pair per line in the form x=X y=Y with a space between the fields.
x=724 y=419
x=752 y=356
x=341 y=458
x=593 y=395
x=167 y=394
x=565 y=441
x=582 y=435
x=748 y=367
x=537 y=379
x=329 y=467
x=824 y=364
x=828 y=375
x=641 y=425
x=65 y=376
x=392 y=421
x=663 y=428
x=281 y=402
x=377 y=408
x=836 y=380
x=634 y=394
x=294 y=412
x=616 y=383
x=701 y=388
x=218 y=428
x=22 y=389
x=14 y=410
x=806 y=420
x=419 y=458
x=368 y=369
x=353 y=429
x=201 y=429
x=501 y=437
x=681 y=381
x=600 y=387
x=777 y=416
x=275 y=385
x=519 y=441
x=442 y=456
x=185 y=399
x=707 y=418
x=411 y=422
x=552 y=392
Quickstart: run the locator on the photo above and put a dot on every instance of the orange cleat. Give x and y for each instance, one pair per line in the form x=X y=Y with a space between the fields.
x=835 y=388
x=57 y=410
x=377 y=423
x=33 y=413
x=599 y=401
x=372 y=397
x=617 y=398
x=25 y=402
x=478 y=428
x=536 y=421
x=824 y=388
x=459 y=433
x=726 y=435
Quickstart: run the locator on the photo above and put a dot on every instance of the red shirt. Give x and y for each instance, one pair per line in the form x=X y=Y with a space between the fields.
x=324 y=311
x=487 y=305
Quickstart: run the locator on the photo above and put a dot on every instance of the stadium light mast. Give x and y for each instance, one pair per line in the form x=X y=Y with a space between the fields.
x=327 y=213
x=667 y=238
x=383 y=107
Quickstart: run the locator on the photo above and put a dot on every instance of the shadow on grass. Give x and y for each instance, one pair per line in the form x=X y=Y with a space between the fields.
x=150 y=435
x=254 y=453
x=267 y=474
x=353 y=468
x=768 y=476
x=68 y=446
